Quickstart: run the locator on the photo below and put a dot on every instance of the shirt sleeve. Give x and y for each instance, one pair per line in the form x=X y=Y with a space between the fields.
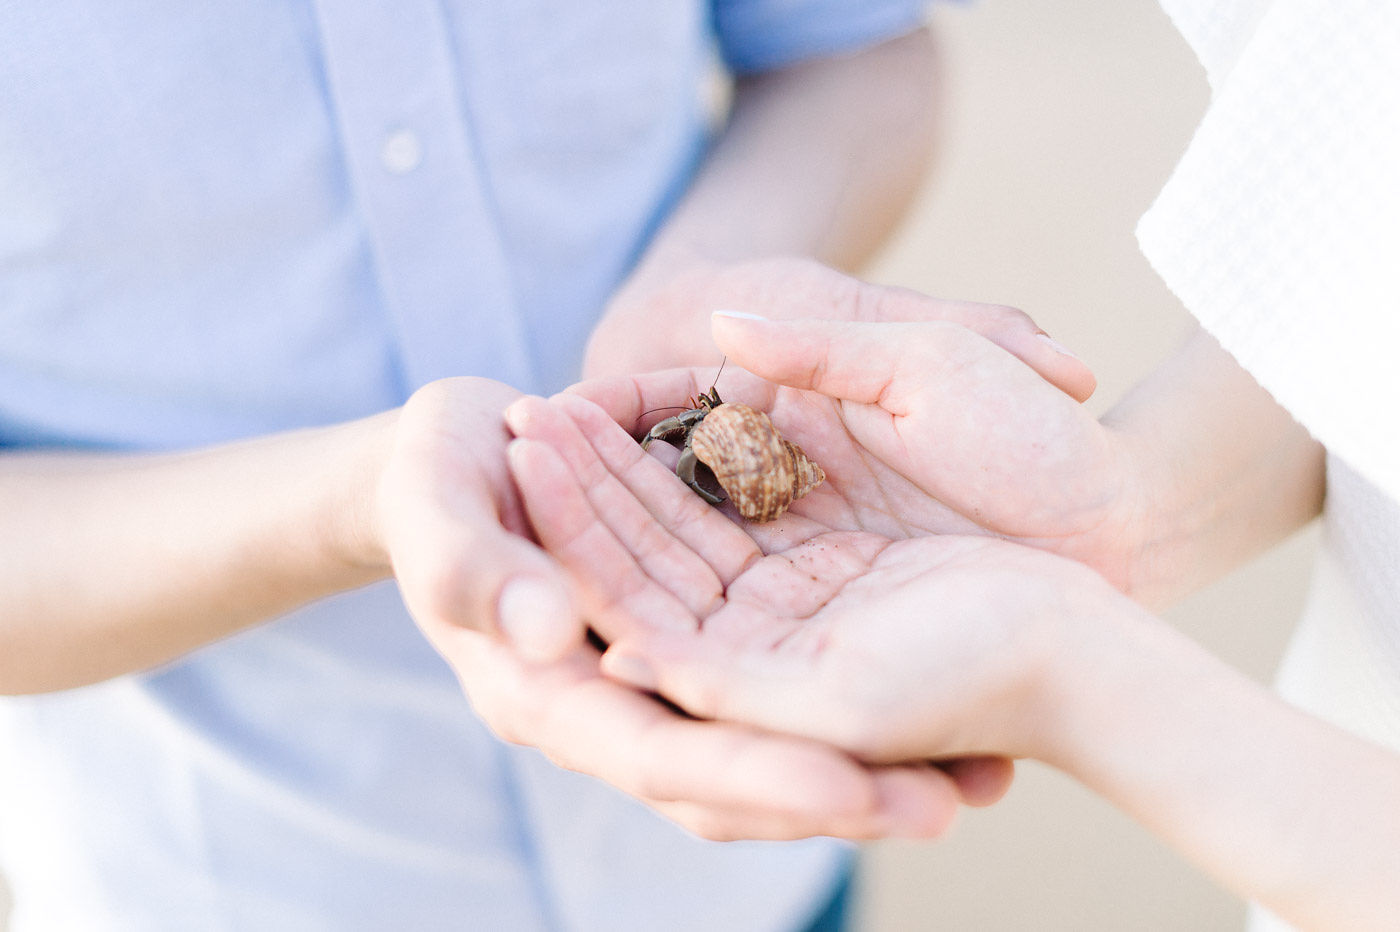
x=759 y=35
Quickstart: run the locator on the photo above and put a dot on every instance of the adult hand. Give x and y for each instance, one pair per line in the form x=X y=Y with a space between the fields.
x=649 y=557
x=922 y=428
x=919 y=649
x=501 y=613
x=449 y=523
x=657 y=324
x=719 y=780
x=986 y=439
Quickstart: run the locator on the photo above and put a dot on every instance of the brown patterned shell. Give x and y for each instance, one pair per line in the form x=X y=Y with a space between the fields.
x=760 y=471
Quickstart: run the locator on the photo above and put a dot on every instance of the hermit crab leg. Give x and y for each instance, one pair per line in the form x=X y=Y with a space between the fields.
x=665 y=430
x=673 y=428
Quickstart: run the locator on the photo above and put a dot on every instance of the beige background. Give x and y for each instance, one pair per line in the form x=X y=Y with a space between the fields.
x=1063 y=120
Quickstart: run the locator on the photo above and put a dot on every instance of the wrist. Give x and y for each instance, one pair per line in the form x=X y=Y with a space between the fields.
x=1147 y=539
x=1089 y=684
x=1221 y=471
x=351 y=512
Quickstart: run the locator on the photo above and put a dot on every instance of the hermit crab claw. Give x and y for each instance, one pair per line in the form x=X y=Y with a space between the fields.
x=673 y=428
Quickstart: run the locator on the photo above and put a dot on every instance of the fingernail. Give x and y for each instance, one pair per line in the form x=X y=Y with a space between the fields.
x=516 y=450
x=514 y=416
x=630 y=669
x=536 y=616
x=1055 y=345
x=517 y=458
x=741 y=315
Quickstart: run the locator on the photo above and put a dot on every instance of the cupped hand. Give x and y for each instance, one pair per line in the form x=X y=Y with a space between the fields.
x=931 y=427
x=650 y=559
x=450 y=524
x=502 y=614
x=720 y=780
x=919 y=649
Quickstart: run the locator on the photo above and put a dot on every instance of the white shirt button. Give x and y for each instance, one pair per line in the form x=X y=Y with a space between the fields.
x=402 y=152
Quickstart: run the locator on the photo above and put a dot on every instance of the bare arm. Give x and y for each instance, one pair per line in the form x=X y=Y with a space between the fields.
x=1221 y=472
x=114 y=563
x=819 y=160
x=111 y=564
x=1277 y=805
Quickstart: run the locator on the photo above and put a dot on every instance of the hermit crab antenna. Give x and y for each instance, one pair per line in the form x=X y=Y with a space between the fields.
x=664 y=408
x=711 y=399
x=722 y=361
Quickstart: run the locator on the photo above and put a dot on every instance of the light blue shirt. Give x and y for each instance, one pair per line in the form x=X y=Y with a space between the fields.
x=222 y=220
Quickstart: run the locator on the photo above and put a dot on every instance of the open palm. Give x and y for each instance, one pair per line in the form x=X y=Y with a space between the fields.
x=915 y=649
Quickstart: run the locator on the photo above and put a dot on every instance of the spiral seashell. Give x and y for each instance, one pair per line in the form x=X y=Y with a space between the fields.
x=760 y=471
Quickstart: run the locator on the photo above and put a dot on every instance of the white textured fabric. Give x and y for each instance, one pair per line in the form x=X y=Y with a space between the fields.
x=1279 y=228
x=1280 y=232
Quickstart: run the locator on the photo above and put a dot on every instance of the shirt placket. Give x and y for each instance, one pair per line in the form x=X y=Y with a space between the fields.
x=416 y=177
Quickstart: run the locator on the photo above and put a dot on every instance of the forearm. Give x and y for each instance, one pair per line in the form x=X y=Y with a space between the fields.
x=1222 y=472
x=1276 y=805
x=116 y=563
x=818 y=160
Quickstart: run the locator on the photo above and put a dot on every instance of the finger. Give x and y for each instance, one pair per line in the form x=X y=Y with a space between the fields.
x=1011 y=329
x=477 y=576
x=708 y=683
x=627 y=399
x=652 y=539
x=636 y=402
x=586 y=723
x=911 y=802
x=714 y=823
x=723 y=545
x=616 y=588
x=858 y=361
x=981 y=781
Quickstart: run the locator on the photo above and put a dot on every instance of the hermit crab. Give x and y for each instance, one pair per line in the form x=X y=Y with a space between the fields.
x=748 y=459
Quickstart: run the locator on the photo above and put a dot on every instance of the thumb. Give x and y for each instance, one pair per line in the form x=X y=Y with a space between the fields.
x=866 y=363
x=535 y=612
x=491 y=581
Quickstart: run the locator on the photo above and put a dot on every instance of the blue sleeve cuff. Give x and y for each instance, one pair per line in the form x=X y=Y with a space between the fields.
x=761 y=35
